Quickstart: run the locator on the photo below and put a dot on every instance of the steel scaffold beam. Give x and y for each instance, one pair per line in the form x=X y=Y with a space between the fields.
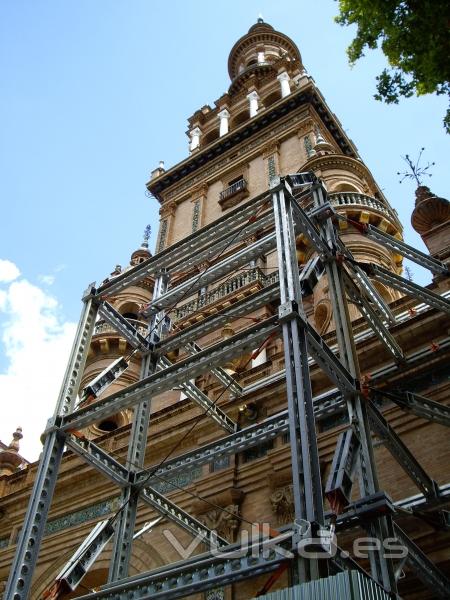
x=212 y=273
x=418 y=405
x=24 y=562
x=126 y=519
x=239 y=441
x=400 y=453
x=196 y=395
x=424 y=568
x=180 y=517
x=375 y=323
x=381 y=567
x=172 y=376
x=202 y=572
x=124 y=327
x=225 y=378
x=307 y=489
x=193 y=245
x=408 y=287
x=399 y=247
x=212 y=322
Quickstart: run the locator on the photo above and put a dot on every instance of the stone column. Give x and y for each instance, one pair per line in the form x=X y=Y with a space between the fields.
x=224 y=115
x=284 y=79
x=253 y=100
x=195 y=138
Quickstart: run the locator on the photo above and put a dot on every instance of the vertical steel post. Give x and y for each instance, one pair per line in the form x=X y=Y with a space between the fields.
x=124 y=530
x=308 y=501
x=24 y=562
x=381 y=567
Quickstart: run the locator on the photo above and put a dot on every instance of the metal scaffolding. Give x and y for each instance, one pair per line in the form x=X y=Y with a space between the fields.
x=278 y=218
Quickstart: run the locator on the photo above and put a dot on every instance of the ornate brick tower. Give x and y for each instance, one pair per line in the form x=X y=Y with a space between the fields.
x=221 y=452
x=272 y=121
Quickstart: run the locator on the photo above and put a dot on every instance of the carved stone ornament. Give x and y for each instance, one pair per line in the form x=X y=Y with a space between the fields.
x=271 y=148
x=226 y=522
x=168 y=209
x=282 y=501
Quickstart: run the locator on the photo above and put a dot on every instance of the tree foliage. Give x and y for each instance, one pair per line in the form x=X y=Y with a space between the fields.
x=415 y=37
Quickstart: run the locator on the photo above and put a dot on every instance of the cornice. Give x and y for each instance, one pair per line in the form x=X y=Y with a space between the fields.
x=308 y=96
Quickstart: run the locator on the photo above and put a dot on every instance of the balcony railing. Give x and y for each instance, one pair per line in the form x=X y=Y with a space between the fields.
x=356 y=199
x=230 y=286
x=102 y=327
x=234 y=188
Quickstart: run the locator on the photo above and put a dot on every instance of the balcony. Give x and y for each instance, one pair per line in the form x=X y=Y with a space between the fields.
x=354 y=199
x=233 y=194
x=244 y=283
x=102 y=327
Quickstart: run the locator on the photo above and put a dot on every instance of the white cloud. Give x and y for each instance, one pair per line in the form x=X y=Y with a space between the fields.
x=8 y=271
x=47 y=279
x=36 y=341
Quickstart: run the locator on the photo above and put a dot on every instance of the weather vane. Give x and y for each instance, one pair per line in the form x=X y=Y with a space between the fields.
x=147 y=233
x=415 y=170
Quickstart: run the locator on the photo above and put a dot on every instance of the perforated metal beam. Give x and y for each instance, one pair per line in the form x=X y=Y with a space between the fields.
x=123 y=327
x=424 y=568
x=173 y=376
x=212 y=322
x=225 y=378
x=399 y=247
x=202 y=572
x=400 y=453
x=196 y=395
x=418 y=405
x=213 y=273
x=192 y=245
x=408 y=287
x=375 y=323
x=180 y=517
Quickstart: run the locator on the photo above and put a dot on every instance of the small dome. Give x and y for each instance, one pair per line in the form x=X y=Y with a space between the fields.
x=261 y=39
x=429 y=211
x=260 y=25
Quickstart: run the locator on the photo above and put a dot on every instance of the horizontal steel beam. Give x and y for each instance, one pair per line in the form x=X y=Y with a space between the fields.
x=251 y=436
x=212 y=273
x=213 y=322
x=202 y=572
x=169 y=378
x=190 y=245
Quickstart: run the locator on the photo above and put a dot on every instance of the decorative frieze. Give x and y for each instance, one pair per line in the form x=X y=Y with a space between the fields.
x=89 y=513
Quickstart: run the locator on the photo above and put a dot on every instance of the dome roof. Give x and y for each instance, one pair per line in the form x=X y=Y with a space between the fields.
x=261 y=37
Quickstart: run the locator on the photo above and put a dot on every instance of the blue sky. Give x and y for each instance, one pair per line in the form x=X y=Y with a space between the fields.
x=92 y=95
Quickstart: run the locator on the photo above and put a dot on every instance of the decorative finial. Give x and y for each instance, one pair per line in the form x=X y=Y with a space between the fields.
x=17 y=436
x=260 y=18
x=147 y=234
x=417 y=172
